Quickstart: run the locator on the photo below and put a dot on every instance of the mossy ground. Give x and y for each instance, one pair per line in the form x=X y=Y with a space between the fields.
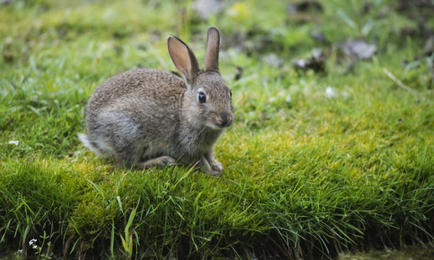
x=304 y=172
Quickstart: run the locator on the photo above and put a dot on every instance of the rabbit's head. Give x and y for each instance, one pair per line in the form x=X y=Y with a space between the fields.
x=207 y=100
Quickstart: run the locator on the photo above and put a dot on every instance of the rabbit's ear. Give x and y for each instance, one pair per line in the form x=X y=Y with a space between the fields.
x=212 y=49
x=183 y=58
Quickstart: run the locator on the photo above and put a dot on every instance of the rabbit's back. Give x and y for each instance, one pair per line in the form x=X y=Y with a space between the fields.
x=150 y=85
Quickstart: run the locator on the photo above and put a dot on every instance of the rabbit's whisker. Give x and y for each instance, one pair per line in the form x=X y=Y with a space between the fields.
x=241 y=126
x=236 y=129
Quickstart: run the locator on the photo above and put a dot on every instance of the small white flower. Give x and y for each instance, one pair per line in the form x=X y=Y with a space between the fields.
x=330 y=93
x=35 y=247
x=288 y=99
x=20 y=251
x=345 y=94
x=32 y=241
x=14 y=142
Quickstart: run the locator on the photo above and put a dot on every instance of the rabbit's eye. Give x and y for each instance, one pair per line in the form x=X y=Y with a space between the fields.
x=202 y=97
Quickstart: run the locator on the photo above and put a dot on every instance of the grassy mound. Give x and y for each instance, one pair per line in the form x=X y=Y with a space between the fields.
x=318 y=161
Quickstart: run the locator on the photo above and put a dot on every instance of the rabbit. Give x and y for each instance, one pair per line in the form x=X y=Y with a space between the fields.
x=152 y=118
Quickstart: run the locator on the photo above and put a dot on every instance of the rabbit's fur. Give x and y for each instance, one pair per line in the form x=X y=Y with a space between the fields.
x=147 y=117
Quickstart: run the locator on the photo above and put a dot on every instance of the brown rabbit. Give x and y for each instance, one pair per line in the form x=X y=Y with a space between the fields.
x=146 y=117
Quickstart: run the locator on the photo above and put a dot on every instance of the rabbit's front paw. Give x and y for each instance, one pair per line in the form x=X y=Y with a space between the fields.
x=210 y=165
x=216 y=168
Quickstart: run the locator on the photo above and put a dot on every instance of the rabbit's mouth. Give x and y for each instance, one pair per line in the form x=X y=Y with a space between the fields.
x=220 y=122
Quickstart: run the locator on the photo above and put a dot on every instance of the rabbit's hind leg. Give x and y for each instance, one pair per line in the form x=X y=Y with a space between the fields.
x=118 y=131
x=127 y=153
x=158 y=162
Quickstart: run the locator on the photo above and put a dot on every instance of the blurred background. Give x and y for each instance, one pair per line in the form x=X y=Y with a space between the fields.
x=299 y=34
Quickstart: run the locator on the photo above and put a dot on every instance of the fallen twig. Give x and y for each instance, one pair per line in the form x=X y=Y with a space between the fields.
x=397 y=81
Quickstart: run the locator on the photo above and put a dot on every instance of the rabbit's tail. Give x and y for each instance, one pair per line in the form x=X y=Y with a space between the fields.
x=93 y=146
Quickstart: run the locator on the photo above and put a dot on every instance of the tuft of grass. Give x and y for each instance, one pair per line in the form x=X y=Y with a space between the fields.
x=305 y=173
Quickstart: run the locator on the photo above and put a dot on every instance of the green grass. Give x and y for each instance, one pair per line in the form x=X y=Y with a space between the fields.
x=315 y=175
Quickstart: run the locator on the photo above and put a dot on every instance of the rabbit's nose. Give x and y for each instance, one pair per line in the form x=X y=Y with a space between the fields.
x=225 y=119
